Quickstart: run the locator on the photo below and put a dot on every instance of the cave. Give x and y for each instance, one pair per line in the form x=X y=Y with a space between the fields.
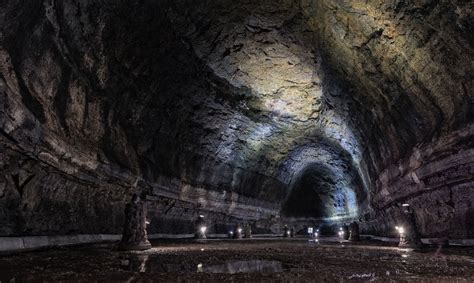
x=309 y=196
x=315 y=194
x=236 y=140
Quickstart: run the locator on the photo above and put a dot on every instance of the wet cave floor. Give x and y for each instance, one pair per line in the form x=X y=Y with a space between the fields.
x=294 y=259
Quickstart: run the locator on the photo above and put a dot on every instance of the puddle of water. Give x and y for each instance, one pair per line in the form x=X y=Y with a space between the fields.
x=152 y=264
x=247 y=266
x=362 y=275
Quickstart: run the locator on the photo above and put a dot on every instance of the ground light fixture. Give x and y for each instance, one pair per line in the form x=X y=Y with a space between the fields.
x=203 y=229
x=341 y=232
x=400 y=229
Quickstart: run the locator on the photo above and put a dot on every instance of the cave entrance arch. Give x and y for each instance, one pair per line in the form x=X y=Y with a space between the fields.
x=320 y=193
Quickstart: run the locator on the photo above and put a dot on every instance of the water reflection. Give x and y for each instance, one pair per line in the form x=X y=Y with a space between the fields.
x=247 y=266
x=145 y=263
x=136 y=263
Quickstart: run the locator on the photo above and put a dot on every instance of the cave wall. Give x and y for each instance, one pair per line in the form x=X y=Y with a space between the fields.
x=220 y=106
x=268 y=59
x=437 y=180
x=88 y=89
x=82 y=86
x=410 y=67
x=80 y=83
x=38 y=199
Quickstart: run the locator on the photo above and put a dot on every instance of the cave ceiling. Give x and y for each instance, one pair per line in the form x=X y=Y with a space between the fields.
x=251 y=97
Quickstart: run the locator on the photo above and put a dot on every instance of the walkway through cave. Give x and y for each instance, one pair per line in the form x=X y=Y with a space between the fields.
x=264 y=115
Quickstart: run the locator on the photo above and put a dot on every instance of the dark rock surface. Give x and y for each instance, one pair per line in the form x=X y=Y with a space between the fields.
x=410 y=64
x=260 y=111
x=134 y=231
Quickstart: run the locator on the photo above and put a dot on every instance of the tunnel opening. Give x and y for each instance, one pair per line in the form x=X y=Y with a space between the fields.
x=304 y=200
x=320 y=193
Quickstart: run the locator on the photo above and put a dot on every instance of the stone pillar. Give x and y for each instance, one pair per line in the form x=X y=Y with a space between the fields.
x=409 y=235
x=134 y=232
x=354 y=232
x=248 y=231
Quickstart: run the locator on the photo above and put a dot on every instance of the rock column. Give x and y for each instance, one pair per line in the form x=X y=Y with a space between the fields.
x=248 y=231
x=134 y=232
x=354 y=235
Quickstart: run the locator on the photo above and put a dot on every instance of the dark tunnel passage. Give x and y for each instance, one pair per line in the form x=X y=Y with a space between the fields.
x=246 y=112
x=311 y=195
x=130 y=122
x=318 y=193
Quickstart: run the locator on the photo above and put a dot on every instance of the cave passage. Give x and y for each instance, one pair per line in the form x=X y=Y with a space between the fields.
x=134 y=121
x=317 y=195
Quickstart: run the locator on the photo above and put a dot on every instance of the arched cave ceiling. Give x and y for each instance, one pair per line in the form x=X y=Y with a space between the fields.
x=241 y=96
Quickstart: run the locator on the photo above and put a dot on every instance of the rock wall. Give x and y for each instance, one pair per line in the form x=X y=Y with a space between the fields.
x=437 y=180
x=81 y=83
x=410 y=66
x=223 y=107
x=38 y=199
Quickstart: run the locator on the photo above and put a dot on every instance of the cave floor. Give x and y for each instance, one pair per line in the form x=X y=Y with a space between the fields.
x=242 y=260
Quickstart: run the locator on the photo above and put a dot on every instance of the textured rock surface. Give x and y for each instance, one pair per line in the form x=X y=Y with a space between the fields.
x=410 y=64
x=135 y=232
x=239 y=110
